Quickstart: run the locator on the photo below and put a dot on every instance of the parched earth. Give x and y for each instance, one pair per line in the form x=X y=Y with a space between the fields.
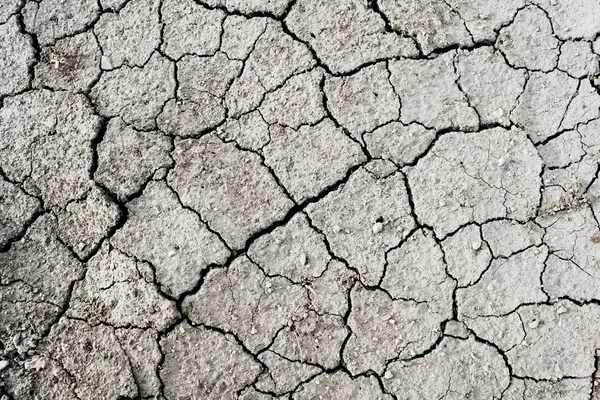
x=299 y=199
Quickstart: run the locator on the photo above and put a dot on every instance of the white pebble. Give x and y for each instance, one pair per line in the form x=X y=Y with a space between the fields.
x=303 y=259
x=561 y=310
x=105 y=63
x=35 y=363
x=377 y=228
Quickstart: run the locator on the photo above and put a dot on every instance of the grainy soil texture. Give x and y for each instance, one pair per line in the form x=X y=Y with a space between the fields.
x=299 y=199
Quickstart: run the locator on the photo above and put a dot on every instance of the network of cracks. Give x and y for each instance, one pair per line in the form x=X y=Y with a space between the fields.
x=305 y=199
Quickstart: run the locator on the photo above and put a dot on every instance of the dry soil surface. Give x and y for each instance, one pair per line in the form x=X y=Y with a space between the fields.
x=299 y=199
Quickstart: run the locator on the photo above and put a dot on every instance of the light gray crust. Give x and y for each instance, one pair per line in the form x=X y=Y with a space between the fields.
x=17 y=55
x=229 y=187
x=173 y=239
x=46 y=144
x=141 y=101
x=299 y=199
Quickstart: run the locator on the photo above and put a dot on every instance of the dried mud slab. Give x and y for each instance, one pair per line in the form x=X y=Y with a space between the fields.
x=229 y=187
x=46 y=144
x=345 y=36
x=17 y=57
x=215 y=374
x=173 y=239
x=464 y=367
x=375 y=217
x=477 y=177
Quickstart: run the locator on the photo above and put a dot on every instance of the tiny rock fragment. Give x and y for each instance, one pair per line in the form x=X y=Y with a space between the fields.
x=561 y=310
x=377 y=228
x=106 y=63
x=35 y=363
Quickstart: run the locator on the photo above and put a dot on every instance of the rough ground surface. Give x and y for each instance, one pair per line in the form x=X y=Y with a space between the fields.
x=299 y=199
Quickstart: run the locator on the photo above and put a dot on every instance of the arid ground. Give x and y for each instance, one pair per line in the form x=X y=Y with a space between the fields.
x=299 y=199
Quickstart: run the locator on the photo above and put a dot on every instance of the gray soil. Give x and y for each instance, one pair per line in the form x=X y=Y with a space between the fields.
x=299 y=199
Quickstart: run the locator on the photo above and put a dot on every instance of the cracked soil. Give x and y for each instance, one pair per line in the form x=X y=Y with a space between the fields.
x=299 y=199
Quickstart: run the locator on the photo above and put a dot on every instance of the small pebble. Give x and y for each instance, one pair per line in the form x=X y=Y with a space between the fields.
x=303 y=259
x=105 y=63
x=3 y=364
x=476 y=245
x=35 y=363
x=561 y=310
x=377 y=228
